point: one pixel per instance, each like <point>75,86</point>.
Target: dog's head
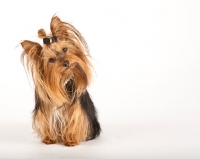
<point>60,68</point>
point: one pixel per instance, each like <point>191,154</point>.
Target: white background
<point>146,86</point>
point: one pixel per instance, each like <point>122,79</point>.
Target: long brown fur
<point>58,116</point>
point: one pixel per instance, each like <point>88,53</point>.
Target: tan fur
<point>70,126</point>
<point>56,120</point>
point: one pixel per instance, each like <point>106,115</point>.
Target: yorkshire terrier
<point>61,72</point>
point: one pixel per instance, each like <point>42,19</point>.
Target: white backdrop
<point>146,83</point>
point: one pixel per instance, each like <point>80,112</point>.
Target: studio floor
<point>175,140</point>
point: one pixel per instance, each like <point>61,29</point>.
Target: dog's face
<point>60,69</point>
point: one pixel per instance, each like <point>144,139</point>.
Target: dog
<point>61,71</point>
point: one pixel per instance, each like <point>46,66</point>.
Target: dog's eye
<point>64,50</point>
<point>52,60</point>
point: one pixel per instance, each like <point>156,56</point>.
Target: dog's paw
<point>70,144</point>
<point>48,141</point>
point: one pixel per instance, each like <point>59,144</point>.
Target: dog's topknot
<point>58,28</point>
<point>42,33</point>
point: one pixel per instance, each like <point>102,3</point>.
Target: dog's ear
<point>66,31</point>
<point>31,49</point>
<point>58,28</point>
<point>29,45</point>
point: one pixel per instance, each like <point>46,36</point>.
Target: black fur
<point>89,108</point>
<point>86,104</point>
<point>39,105</point>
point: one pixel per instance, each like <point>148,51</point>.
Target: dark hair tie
<point>50,40</point>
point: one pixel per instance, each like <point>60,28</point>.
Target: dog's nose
<point>66,63</point>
